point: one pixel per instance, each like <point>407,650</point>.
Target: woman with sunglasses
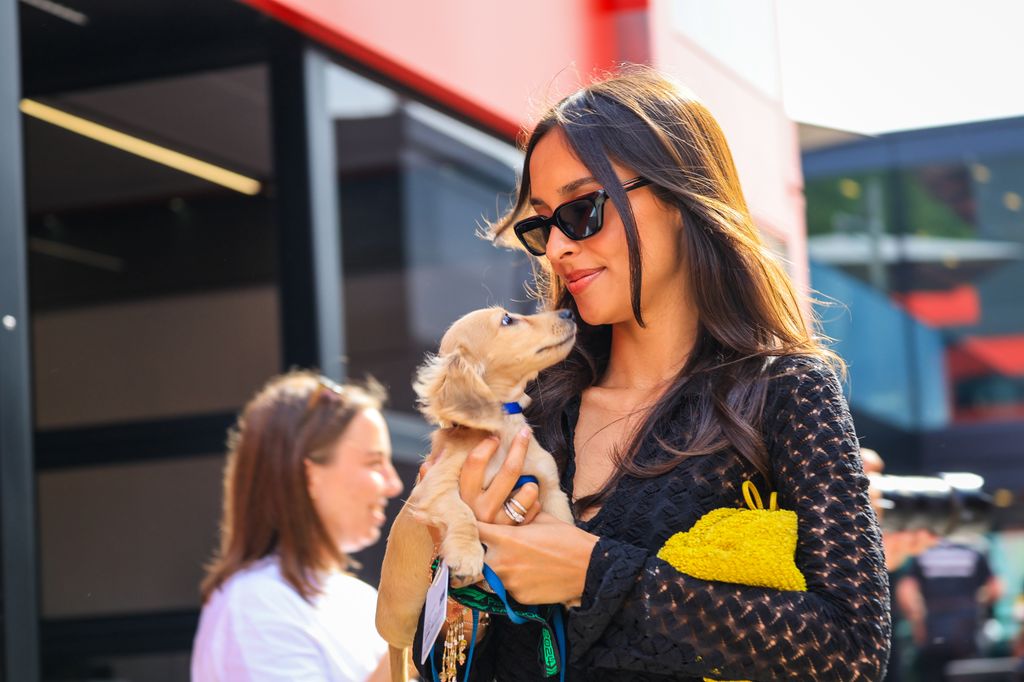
<point>307,479</point>
<point>694,371</point>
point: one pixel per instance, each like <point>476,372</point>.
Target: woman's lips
<point>576,282</point>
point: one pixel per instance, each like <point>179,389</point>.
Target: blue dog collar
<point>512,408</point>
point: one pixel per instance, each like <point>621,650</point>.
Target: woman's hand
<point>544,562</point>
<point>487,503</point>
<point>540,561</point>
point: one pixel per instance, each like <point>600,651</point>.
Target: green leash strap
<point>549,653</point>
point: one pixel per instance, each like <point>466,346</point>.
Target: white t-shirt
<point>256,627</point>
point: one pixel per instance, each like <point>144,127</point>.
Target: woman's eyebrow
<point>567,188</point>
<point>371,452</point>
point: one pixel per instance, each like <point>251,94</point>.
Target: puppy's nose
<point>565,314</point>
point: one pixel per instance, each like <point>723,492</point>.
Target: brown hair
<point>747,309</point>
<point>267,508</point>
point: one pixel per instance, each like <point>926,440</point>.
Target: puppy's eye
<point>507,320</point>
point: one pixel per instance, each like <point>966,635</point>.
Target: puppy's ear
<point>451,391</point>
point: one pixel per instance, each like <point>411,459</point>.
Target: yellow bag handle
<point>753,497</point>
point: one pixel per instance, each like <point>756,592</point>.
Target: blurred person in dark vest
<point>946,591</point>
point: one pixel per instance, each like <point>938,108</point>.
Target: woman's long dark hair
<point>747,309</point>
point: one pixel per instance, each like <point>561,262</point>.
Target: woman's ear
<point>452,391</point>
<point>312,478</point>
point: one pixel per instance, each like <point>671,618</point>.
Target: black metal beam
<point>309,253</point>
<point>132,442</point>
<point>65,639</point>
<point>17,474</point>
<point>299,345</point>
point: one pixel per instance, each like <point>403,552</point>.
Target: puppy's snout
<point>566,322</point>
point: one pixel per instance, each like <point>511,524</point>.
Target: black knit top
<point>640,619</point>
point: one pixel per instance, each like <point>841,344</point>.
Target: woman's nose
<point>394,482</point>
<point>559,246</point>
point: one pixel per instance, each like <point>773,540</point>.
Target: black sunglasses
<point>577,219</point>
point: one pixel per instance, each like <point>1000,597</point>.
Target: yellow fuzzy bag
<point>754,546</point>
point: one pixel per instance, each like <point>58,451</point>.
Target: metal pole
<point>17,476</point>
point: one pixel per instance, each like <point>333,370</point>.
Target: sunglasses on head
<point>325,388</point>
<point>577,219</point>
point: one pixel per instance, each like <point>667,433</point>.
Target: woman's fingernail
<point>524,433</point>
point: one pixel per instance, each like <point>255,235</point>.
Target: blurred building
<point>918,236</point>
<point>198,194</point>
<point>916,248</point>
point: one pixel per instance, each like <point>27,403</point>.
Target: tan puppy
<point>486,359</point>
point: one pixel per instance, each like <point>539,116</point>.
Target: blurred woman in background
<point>308,477</point>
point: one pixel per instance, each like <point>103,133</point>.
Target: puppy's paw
<point>465,567</point>
<point>457,582</point>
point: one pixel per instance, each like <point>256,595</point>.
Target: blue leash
<point>559,623</point>
<point>499,590</point>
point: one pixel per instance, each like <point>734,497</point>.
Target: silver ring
<point>517,505</point>
<point>511,513</point>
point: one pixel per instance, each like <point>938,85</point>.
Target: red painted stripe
<point>355,49</point>
<point>956,307</point>
<point>623,5</point>
<point>978,356</point>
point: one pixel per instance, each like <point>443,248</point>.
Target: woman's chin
<point>351,546</point>
<point>597,316</point>
<point>589,314</point>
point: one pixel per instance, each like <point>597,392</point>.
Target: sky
<point>874,66</point>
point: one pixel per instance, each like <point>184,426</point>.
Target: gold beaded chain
<point>454,645</point>
<point>455,641</point>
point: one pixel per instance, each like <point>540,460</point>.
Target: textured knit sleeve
<point>639,613</point>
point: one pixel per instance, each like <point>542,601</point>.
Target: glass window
<point>849,226</point>
<point>928,257</point>
<point>151,235</point>
<point>856,250</point>
<point>154,297</point>
<point>151,247</point>
<point>967,271</point>
<point>416,186</point>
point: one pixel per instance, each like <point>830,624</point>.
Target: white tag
<point>435,610</point>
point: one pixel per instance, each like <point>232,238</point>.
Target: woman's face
<point>351,490</point>
<point>596,270</point>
